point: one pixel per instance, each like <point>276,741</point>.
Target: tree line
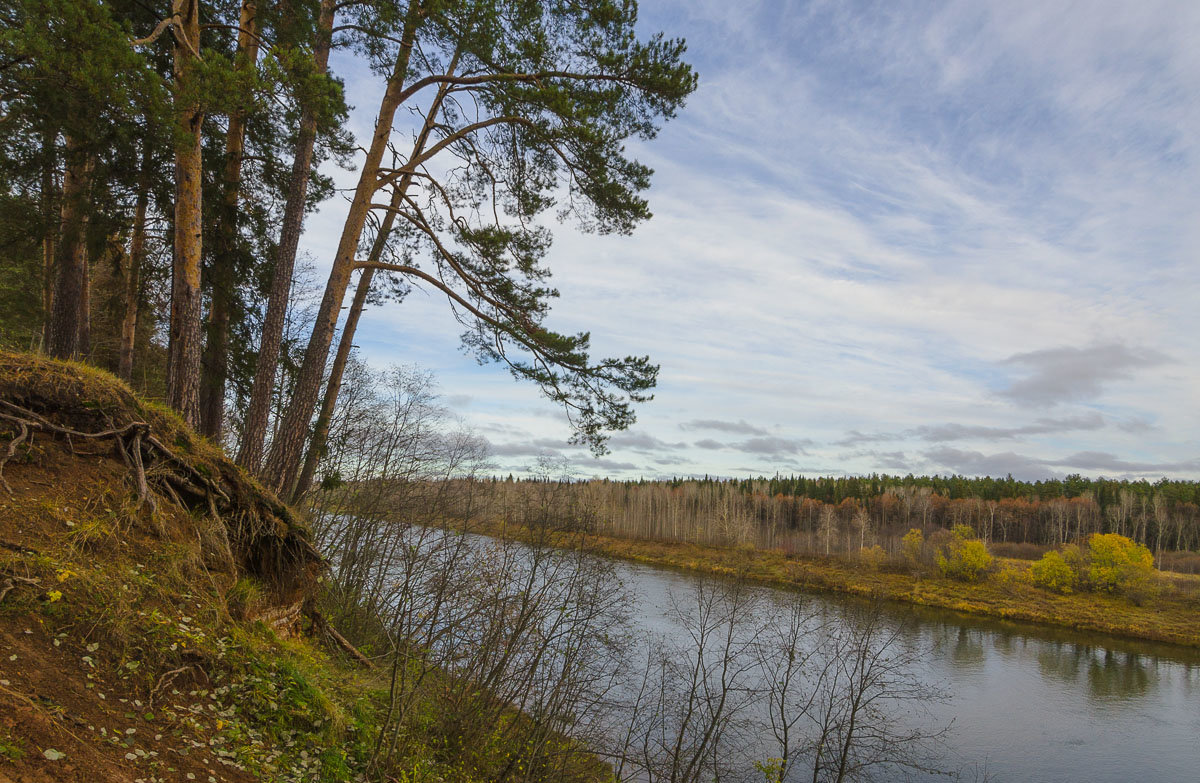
<point>160,159</point>
<point>748,512</point>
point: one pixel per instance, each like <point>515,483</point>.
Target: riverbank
<point>161,619</point>
<point>1173,617</point>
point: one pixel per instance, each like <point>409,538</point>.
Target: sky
<point>927,237</point>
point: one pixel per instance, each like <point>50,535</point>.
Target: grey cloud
<point>940,433</point>
<point>522,450</point>
<point>768,446</point>
<point>605,464</point>
<point>503,429</point>
<point>854,438</point>
<point>459,400</point>
<point>1136,424</point>
<point>538,447</point>
<point>975,463</point>
<point>1030,468</point>
<point>739,427</point>
<point>1102,460</point>
<point>895,460</point>
<point>1055,375</point>
<point>640,441</point>
<point>943,432</point>
<point>771,446</point>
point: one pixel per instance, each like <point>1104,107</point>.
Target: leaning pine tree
<point>532,104</point>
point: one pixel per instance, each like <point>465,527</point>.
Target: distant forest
<point>844,514</point>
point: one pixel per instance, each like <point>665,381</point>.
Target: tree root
<point>22,434</point>
<point>137,447</point>
<point>12,580</point>
<point>165,680</point>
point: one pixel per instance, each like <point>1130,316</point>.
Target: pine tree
<point>543,97</point>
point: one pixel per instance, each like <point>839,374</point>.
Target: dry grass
<point>1174,616</point>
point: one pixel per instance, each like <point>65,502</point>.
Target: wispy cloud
<point>935,229</point>
<point>739,427</point>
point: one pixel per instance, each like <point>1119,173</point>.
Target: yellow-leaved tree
<point>964,556</point>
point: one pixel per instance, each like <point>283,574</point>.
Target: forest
<point>843,514</point>
<point>160,161</point>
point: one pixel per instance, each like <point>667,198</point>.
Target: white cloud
<point>868,225</point>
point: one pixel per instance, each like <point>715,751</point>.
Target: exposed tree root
<point>22,434</point>
<point>169,469</point>
<point>12,580</point>
<point>137,447</point>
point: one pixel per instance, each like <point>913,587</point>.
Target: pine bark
<point>133,272</point>
<point>69,307</point>
<point>215,360</point>
<point>49,238</point>
<point>333,387</point>
<point>258,413</point>
<point>183,353</point>
<point>287,449</point>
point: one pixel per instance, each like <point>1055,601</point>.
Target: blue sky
<point>954,237</point>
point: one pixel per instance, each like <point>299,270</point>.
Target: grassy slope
<point>118,649</point>
<point>1174,617</point>
<point>125,652</point>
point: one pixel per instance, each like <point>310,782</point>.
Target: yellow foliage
<point>965,559</point>
<point>1116,563</point>
<point>872,556</point>
<point>911,546</point>
<point>1053,572</point>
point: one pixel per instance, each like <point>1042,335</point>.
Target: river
<point>1025,702</point>
<point>1020,702</point>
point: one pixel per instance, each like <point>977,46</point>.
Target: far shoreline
<point>1171,621</point>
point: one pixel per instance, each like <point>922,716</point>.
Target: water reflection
<point>1032,702</point>
<point>1027,702</point>
<point>1114,676</point>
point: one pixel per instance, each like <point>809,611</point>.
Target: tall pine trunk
<point>316,446</point>
<point>287,449</point>
<point>333,387</point>
<point>51,228</point>
<point>215,360</point>
<point>183,352</point>
<point>69,303</point>
<point>258,413</point>
<point>133,273</point>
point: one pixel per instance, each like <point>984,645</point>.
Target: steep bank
<point>158,617</point>
<point>149,591</point>
<point>1173,617</point>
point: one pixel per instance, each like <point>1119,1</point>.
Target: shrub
<point>1117,564</point>
<point>964,556</point>
<point>872,557</point>
<point>1011,579</point>
<point>1053,572</point>
<point>911,546</point>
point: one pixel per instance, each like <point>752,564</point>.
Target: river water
<point>1025,702</point>
<point>1022,702</point>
